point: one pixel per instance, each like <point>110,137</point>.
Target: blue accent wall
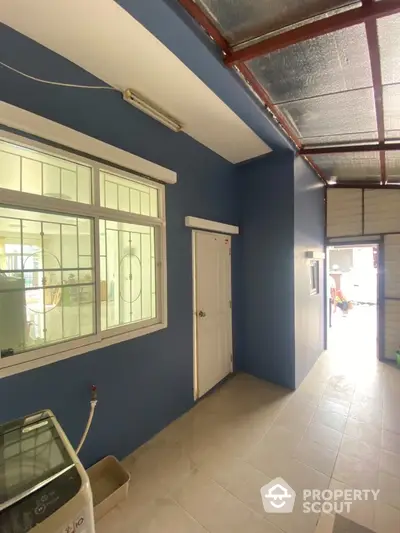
<point>145,383</point>
<point>266,226</point>
<point>309,234</point>
<point>282,217</point>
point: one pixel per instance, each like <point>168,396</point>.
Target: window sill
<point>17,368</point>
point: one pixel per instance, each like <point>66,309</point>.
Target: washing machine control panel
<point>35,508</point>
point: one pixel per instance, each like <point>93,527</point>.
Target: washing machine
<point>43,485</point>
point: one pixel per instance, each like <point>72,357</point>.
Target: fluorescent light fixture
<point>150,109</point>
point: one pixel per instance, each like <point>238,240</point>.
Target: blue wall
<point>266,226</point>
<point>145,383</point>
<point>309,234</point>
<point>282,217</point>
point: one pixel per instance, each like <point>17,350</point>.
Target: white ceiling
<point>102,38</point>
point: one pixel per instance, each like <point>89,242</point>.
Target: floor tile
<point>216,509</point>
<point>389,487</point>
<point>390,441</point>
<point>324,435</point>
<point>330,419</point>
<point>360,450</point>
<point>203,473</point>
<point>368,433</point>
<point>325,523</point>
<point>237,476</point>
<point>360,511</point>
<point>330,406</point>
<point>316,455</point>
<point>387,519</point>
<point>115,522</point>
<point>366,413</point>
<point>167,516</point>
<point>296,416</point>
<point>356,472</point>
<point>273,452</point>
<point>390,463</point>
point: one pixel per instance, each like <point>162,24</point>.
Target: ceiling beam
<point>266,100</point>
<point>351,148</point>
<point>363,185</point>
<point>371,27</point>
<point>366,12</point>
<point>202,19</point>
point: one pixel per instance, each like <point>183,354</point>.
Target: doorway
<point>212,310</point>
<point>353,290</point>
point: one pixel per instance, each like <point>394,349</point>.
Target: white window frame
<point>100,339</point>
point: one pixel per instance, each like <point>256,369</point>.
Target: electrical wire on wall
<point>59,83</point>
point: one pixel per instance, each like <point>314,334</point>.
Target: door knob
<point>202,314</point>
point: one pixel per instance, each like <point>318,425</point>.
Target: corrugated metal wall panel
<point>392,266</point>
<point>392,330</point>
<point>344,212</point>
<point>382,211</point>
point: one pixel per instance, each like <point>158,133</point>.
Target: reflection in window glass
<point>127,270</point>
<point>45,294</point>
<point>22,169</point>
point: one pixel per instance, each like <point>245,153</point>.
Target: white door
<point>212,309</point>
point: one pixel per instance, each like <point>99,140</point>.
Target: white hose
<point>93,404</point>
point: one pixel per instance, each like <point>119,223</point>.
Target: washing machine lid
<point>32,454</point>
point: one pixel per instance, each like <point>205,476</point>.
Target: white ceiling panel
<point>102,38</point>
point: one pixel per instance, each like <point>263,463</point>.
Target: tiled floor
<point>340,429</point>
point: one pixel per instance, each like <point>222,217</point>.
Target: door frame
<point>353,242</point>
<point>196,392</point>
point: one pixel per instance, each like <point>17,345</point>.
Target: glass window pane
<point>28,170</point>
<point>51,181</point>
<point>10,171</point>
<point>44,297</point>
<point>123,199</point>
<point>69,244</point>
<point>128,195</point>
<point>31,176</point>
<point>84,185</point>
<point>68,185</point>
<point>128,274</point>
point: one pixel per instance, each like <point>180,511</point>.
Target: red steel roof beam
<point>202,19</point>
<point>374,55</point>
<point>364,13</point>
<point>355,148</point>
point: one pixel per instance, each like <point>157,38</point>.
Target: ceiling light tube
<point>140,103</point>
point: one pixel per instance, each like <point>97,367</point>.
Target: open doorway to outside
<point>353,299</point>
